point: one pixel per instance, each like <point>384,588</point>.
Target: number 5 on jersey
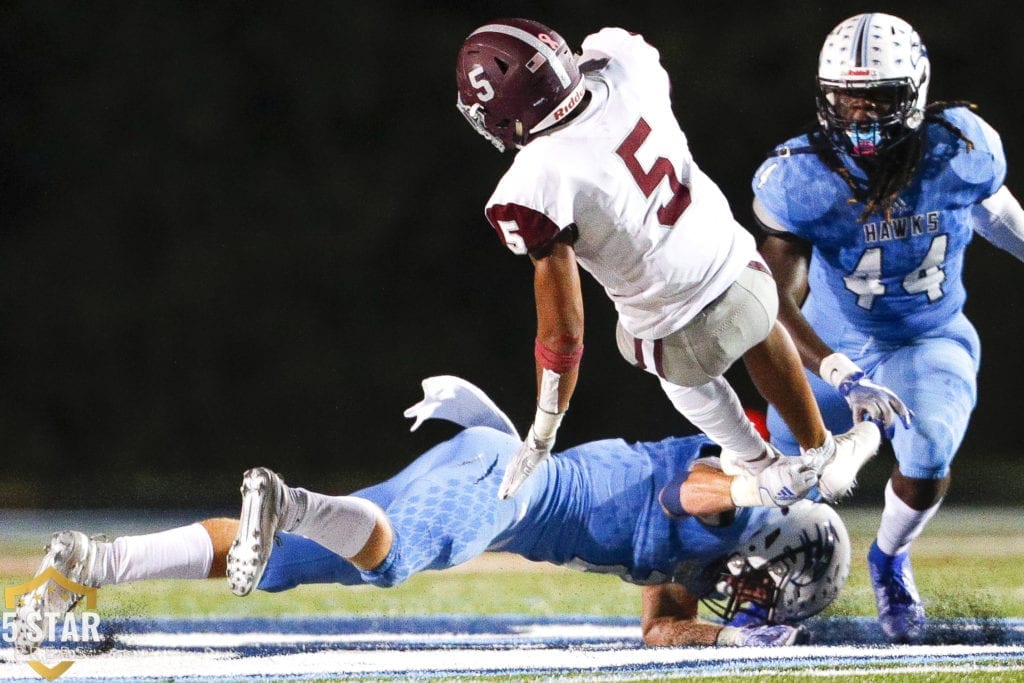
<point>648,181</point>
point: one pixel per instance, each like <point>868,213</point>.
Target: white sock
<point>715,409</point>
<point>901,524</point>
<point>342,524</point>
<point>182,553</point>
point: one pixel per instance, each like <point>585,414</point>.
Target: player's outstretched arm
<point>789,259</point>
<point>558,348</point>
<point>707,490</point>
<point>669,619</point>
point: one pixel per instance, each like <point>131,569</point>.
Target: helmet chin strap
<point>519,137</point>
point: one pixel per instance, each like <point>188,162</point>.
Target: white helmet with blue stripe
<point>791,568</point>
<point>881,59</point>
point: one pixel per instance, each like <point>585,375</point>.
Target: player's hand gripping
<point>867,400</point>
<point>531,453</point>
<point>783,483</point>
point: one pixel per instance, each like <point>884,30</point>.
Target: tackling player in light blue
<point>868,218</point>
<point>607,506</point>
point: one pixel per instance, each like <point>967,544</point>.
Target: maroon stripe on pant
<point>757,265</point>
<point>657,358</point>
<point>638,351</point>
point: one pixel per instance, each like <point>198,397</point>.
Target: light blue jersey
<point>889,293</point>
<point>891,279</point>
<point>593,507</point>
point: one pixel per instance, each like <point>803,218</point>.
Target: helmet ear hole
<point>502,65</point>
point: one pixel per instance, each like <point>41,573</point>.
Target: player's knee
<point>932,450</point>
<point>392,572</point>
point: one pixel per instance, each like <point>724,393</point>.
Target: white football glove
<point>531,453</point>
<point>867,400</point>
<point>783,483</point>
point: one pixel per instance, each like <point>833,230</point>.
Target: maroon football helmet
<point>516,77</point>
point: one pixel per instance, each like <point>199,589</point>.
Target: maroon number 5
<point>648,180</point>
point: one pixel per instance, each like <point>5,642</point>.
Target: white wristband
<point>545,424</point>
<point>729,635</point>
<point>835,368</point>
<point>745,491</point>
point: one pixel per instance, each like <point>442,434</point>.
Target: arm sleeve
<point>1000,220</point>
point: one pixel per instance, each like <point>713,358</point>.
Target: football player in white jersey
<point>604,179</point>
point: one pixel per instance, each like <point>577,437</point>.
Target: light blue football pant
<point>936,376</point>
<point>443,508</point>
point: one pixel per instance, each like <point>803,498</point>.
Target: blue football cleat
<point>900,611</point>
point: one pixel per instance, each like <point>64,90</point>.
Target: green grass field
<point>968,563</point>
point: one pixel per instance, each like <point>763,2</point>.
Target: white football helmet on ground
<point>790,569</point>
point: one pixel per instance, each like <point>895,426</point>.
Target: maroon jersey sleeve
<point>522,229</point>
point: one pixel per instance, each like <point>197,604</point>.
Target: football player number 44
<point>866,279</point>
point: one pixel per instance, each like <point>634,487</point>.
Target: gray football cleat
<point>262,493</point>
<point>70,553</point>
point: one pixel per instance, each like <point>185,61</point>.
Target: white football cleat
<point>734,464</point>
<point>838,475</point>
<point>262,493</point>
<point>72,554</point>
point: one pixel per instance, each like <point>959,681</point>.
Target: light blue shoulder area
<point>795,187</point>
<point>985,165</point>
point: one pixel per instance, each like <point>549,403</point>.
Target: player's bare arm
<point>559,300</point>
<point>557,350</point>
<point>788,259</point>
<point>669,618</point>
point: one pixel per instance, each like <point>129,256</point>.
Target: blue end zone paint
<point>408,648</point>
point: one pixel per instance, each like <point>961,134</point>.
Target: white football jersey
<point>652,229</point>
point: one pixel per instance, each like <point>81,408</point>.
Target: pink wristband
<point>556,362</point>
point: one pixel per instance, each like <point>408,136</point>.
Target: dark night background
<point>238,234</point>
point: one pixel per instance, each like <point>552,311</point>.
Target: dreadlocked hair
<point>892,169</point>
